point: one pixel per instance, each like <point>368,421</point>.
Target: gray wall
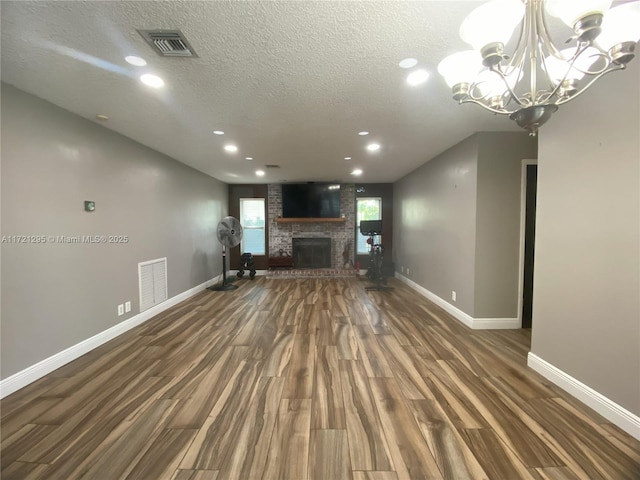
<point>586,304</point>
<point>434,224</point>
<point>500,156</point>
<point>57,295</point>
<point>457,223</point>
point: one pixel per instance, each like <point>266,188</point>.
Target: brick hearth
<point>312,273</point>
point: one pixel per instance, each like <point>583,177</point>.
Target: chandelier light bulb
<point>460,67</point>
<point>621,31</point>
<point>492,22</point>
<point>571,11</point>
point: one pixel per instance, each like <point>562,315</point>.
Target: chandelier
<point>537,76</point>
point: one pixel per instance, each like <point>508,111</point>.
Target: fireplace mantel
<point>310,220</point>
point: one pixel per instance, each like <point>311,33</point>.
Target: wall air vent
<point>168,43</point>
<point>152,281</point>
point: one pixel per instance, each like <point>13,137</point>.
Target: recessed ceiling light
<point>363,133</point>
<point>102,117</point>
<point>248,158</point>
<point>347,158</point>
<point>417,77</point>
<point>260,173</point>
<point>218,132</point>
<point>373,147</point>
<point>137,61</point>
<point>408,63</point>
<point>231,148</point>
<point>356,172</point>
<point>152,80</point>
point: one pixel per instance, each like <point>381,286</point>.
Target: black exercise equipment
<point>246,261</point>
<point>375,271</point>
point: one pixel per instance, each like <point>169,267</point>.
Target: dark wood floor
<point>307,379</point>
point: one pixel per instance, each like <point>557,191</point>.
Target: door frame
<point>523,215</point>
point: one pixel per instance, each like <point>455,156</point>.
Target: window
<point>368,209</point>
<point>253,226</point>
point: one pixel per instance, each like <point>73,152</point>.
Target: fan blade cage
<point>229,232</point>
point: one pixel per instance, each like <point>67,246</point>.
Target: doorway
<point>528,233</point>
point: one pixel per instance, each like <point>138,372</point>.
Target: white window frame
<point>358,234</point>
<point>263,228</point>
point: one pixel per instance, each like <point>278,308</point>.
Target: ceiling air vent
<point>271,166</point>
<point>168,43</point>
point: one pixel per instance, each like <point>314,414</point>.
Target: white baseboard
<point>496,324</point>
<point>468,320</point>
<point>30,374</point>
<point>610,410</point>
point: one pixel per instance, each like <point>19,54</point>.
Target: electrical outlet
<point>407,270</point>
<point>120,309</point>
<point>127,307</point>
<point>453,295</point>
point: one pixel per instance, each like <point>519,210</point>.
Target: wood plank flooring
<point>307,379</point>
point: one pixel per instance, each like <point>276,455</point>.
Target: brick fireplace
<point>340,235</point>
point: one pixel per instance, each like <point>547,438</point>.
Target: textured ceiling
<point>291,83</point>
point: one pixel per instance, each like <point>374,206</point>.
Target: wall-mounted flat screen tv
<point>310,200</point>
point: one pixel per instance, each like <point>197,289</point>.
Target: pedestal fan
<point>229,233</point>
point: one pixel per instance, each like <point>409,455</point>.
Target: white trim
<point>523,223</point>
<point>34,372</point>
<point>468,320</point>
<point>610,410</point>
<point>496,324</point>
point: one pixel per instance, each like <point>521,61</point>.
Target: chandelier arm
<point>543,97</point>
<point>546,45</point>
<point>600,53</point>
<point>555,89</point>
<point>486,107</point>
<point>519,52</point>
<point>571,65</point>
<point>510,99</point>
<point>550,84</point>
<point>512,94</point>
<point>531,17</point>
<point>470,95</point>
<point>545,38</point>
<point>591,82</point>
